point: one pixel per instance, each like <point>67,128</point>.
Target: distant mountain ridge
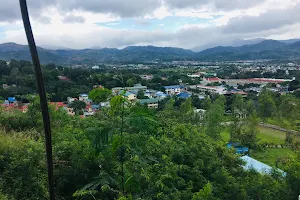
<point>266,49</point>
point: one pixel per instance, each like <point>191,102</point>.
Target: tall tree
<point>267,106</point>
<point>99,95</point>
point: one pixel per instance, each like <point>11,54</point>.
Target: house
<point>173,89</point>
<point>5,86</point>
<point>83,97</point>
<point>63,78</point>
<point>200,112</point>
<point>160,95</point>
<point>196,75</point>
<point>252,164</point>
<point>129,95</point>
<point>11,99</point>
<point>96,67</point>
<point>152,103</point>
<point>58,105</point>
<point>95,107</point>
<point>71,100</point>
<point>147,77</point>
<point>184,95</point>
<point>104,104</point>
<point>88,113</point>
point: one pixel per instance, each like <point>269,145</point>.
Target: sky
<point>190,24</point>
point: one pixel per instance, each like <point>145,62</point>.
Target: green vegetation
<point>165,155</point>
<point>269,135</point>
<point>271,155</point>
<point>127,151</point>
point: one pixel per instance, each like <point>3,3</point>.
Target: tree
<point>99,94</point>
<point>141,95</point>
<point>213,119</point>
<point>267,106</point>
<point>196,101</point>
<point>237,106</point>
<point>77,105</point>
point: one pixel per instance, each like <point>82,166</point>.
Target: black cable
<point>42,94</point>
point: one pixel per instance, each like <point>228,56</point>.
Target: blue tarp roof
<point>258,166</point>
<point>11,99</point>
<point>173,87</point>
<point>184,95</point>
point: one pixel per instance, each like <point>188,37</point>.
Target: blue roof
<point>83,95</point>
<point>173,87</point>
<point>11,99</point>
<point>161,94</point>
<point>258,166</point>
<point>184,95</point>
<point>95,106</point>
<point>238,149</point>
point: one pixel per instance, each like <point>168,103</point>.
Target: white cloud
<point>72,23</point>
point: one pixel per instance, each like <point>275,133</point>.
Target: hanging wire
<point>42,94</point>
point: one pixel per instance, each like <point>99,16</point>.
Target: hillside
<point>267,49</point>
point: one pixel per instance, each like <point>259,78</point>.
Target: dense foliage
<point>163,154</point>
<point>128,151</point>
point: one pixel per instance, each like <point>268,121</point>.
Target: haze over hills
<point>266,49</point>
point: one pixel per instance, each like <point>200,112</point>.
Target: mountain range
<point>263,49</point>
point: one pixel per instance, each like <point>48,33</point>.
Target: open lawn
<point>266,135</point>
<point>269,156</point>
<point>270,135</point>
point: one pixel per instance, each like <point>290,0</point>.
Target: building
<point>213,89</point>
<point>259,81</point>
<point>136,87</point>
<point>71,100</point>
<point>95,67</point>
<point>211,80</point>
<point>196,75</point>
<point>184,95</point>
<point>63,78</point>
<point>83,97</point>
<point>238,148</point>
<point>160,95</point>
<point>152,103</point>
<point>252,164</point>
<point>173,89</point>
<point>129,95</point>
<point>147,77</point>
<point>11,99</point>
<point>201,113</point>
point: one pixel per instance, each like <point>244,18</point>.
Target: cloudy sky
<point>193,24</point>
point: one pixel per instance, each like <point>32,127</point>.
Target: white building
<point>214,89</point>
<point>83,97</point>
<point>173,89</point>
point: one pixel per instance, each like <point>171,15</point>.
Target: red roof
<point>266,80</point>
<point>64,78</point>
<point>215,79</point>
<point>58,104</point>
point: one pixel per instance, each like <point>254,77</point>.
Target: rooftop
<point>147,101</point>
<point>258,166</point>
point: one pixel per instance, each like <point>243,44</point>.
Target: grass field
<point>270,135</point>
<point>266,135</point>
<point>269,156</point>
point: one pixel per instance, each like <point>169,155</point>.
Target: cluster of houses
<point>152,96</point>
